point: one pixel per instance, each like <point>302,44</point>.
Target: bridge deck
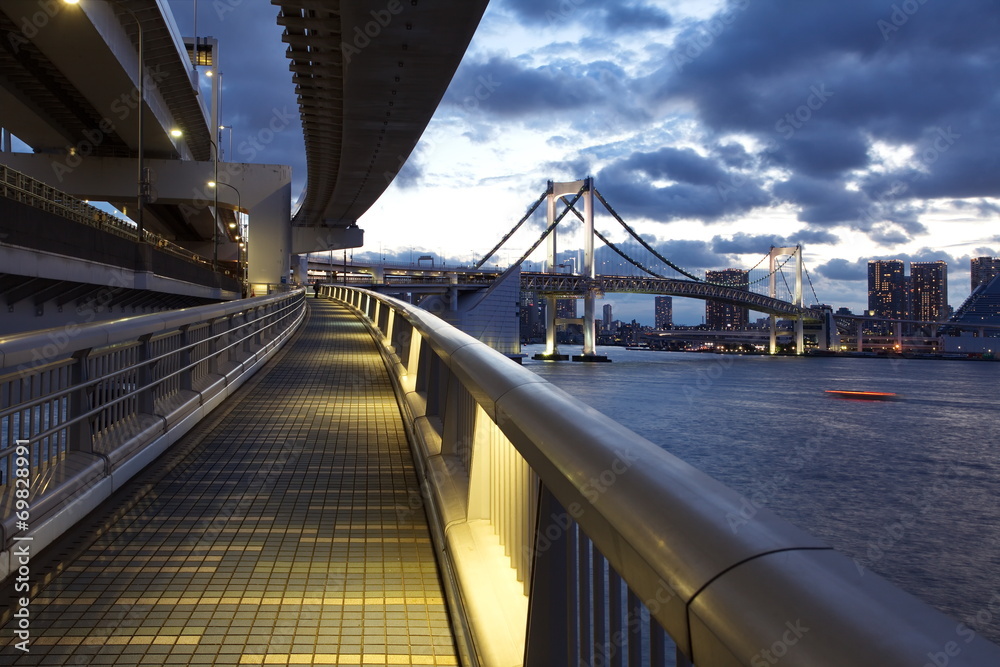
<point>281,531</point>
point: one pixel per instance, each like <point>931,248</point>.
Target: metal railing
<point>79,404</point>
<point>567,539</point>
<point>22,188</point>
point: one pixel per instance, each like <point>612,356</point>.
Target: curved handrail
<point>725,595</point>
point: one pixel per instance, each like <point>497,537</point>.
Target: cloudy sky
<point>860,129</point>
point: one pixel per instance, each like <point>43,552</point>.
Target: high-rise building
<point>664,314</point>
<point>886,288</point>
<point>608,319</point>
<point>723,316</point>
<point>532,316</point>
<point>983,270</point>
<point>928,291</point>
<point>566,308</point>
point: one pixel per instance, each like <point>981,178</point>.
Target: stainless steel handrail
<point>49,393</point>
<point>611,504</point>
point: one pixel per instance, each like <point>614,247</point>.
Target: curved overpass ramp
<point>369,75</point>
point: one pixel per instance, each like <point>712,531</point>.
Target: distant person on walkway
<point>316,288</point>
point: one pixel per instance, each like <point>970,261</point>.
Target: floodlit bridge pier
<point>388,490</point>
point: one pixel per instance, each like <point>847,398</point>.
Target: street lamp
<point>230,128</point>
<point>143,182</point>
<point>239,208</point>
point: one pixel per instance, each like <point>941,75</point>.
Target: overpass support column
<point>861,335</point>
<point>774,335</point>
<point>898,335</point>
<point>270,246</point>
<point>800,339</point>
<point>300,269</point>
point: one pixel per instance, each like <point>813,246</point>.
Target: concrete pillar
<point>774,332</point>
<point>860,329</point>
<point>300,269</point>
<point>551,261</point>
<point>589,338</point>
<point>550,325</point>
<point>270,239</point>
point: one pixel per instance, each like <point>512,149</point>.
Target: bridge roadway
<point>279,532</point>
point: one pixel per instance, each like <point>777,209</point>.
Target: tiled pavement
<point>281,532</point>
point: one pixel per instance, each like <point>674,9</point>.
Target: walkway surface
<point>286,529</point>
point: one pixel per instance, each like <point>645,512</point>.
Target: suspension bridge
<point>636,266</point>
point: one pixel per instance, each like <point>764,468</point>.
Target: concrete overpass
<point>369,76</point>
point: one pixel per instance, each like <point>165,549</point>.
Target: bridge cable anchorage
<point>551,227</point>
<point>614,247</point>
<point>531,210</point>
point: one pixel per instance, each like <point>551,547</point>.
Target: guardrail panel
<point>101,391</point>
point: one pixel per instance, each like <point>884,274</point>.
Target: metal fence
<point>22,188</point>
<point>567,539</point>
<point>79,404</point>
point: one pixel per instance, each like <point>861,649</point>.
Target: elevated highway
<point>369,75</point>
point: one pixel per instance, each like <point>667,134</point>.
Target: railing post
<point>184,379</point>
<point>81,439</point>
<point>548,640</point>
<point>144,376</point>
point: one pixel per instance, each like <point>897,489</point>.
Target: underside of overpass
<point>369,75</point>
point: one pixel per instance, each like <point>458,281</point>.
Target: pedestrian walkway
<point>281,531</point>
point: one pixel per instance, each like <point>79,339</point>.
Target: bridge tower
<point>796,253</point>
<point>589,271</point>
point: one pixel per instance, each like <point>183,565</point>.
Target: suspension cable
<point>507,236</point>
<point>815,296</point>
<point>781,273</point>
<point>642,242</point>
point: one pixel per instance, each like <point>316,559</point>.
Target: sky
<point>860,129</point>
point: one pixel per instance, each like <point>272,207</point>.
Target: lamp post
<point>143,184</point>
<point>239,208</point>
<point>230,128</point>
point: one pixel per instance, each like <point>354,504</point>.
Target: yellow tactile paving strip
<point>286,536</point>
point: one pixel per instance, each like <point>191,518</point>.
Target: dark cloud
<point>512,89</point>
<point>841,269</point>
<point>734,155</point>
<point>751,244</point>
<point>683,165</point>
<point>814,236</point>
<point>701,188</point>
<point>823,202</point>
<point>609,15</point>
<point>817,83</point>
<point>822,149</point>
